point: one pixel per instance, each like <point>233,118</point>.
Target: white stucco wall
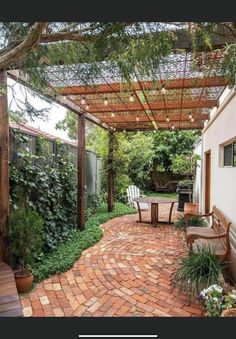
<point>197,181</point>
<point>220,129</point>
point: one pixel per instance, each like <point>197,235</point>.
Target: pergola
<point>180,97</point>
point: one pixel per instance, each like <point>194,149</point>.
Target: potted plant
<point>26,241</point>
<point>185,165</point>
<point>219,302</point>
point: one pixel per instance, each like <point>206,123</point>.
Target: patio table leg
<point>154,214</point>
<point>139,212</point>
<point>171,208</point>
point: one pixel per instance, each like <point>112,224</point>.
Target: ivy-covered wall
<point>46,182</point>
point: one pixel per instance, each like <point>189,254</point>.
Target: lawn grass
<point>161,195</point>
<point>63,258</point>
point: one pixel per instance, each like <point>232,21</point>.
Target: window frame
<point>233,161</point>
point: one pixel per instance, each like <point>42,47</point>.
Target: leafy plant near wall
<point>181,223</point>
<point>199,270</point>
<point>48,185</point>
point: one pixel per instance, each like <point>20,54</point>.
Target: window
<point>230,154</point>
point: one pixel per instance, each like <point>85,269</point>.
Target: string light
<point>131,98</point>
<point>163,89</point>
<point>167,118</point>
<point>87,107</point>
<point>201,75</point>
<point>190,116</point>
<point>83,101</point>
<point>192,120</point>
<point>137,118</point>
<point>173,126</point>
<point>124,130</point>
<point>106,101</point>
<point>113,114</point>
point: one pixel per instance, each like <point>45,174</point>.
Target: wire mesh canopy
<point>181,96</point>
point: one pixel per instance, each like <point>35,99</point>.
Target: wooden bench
<point>216,236</point>
<point>10,305</point>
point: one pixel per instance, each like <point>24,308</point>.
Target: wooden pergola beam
<point>110,172</point>
<point>158,105</point>
<point>4,169</point>
<point>81,173</point>
<point>145,85</point>
<point>61,100</point>
<point>198,117</point>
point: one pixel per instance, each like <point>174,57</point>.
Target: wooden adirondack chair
<point>134,192</point>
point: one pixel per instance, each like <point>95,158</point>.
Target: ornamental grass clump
<point>198,270</point>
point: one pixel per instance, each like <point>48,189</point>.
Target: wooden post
<point>81,173</point>
<point>4,170</point>
<point>110,172</point>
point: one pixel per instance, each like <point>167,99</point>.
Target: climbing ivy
<point>46,182</point>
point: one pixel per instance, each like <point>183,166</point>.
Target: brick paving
<point>128,273</point>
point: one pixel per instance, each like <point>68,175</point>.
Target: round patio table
<point>154,202</point>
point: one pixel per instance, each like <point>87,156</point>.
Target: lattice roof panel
<point>189,90</point>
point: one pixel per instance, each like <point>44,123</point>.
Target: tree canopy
<point>34,46</point>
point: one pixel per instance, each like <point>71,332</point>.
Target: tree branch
<point>25,46</point>
<point>78,35</point>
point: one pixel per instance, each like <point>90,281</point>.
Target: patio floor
<point>127,273</point>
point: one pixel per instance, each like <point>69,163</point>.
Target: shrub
<point>63,258</point>
<point>25,236</point>
<point>181,223</point>
<point>198,270</point>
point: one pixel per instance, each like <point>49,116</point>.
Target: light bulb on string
<point>83,101</point>
<point>173,126</point>
<point>124,130</point>
<point>192,120</point>
<point>131,98</point>
<point>106,101</point>
<point>137,118</point>
<point>163,90</point>
<point>167,118</point>
<point>87,107</point>
<point>190,116</point>
<point>112,114</point>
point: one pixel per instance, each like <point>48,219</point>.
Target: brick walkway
<point>127,273</point>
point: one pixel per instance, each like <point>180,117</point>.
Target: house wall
<point>198,180</point>
<point>220,130</point>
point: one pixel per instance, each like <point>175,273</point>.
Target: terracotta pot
<point>191,207</point>
<point>230,312</point>
<point>23,282</point>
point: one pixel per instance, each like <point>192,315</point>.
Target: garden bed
<point>63,258</point>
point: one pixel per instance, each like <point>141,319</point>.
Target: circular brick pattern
<point>127,273</point>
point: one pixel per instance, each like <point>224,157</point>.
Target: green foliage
<point>184,164</point>
<point>94,201</point>
<point>69,124</point>
<point>186,183</point>
<point>68,252</point>
<point>169,144</point>
<point>25,236</point>
<point>47,184</point>
<point>198,270</point>
<point>216,299</point>
<point>181,223</point>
